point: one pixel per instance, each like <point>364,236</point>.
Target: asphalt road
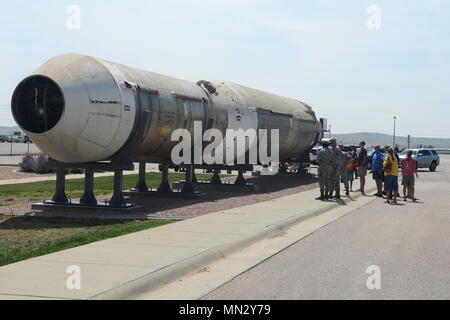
<point>409,243</point>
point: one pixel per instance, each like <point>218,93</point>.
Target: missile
<point>81,109</point>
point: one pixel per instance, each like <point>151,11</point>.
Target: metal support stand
<point>188,184</point>
<point>194,178</point>
<point>183,189</point>
<point>216,177</point>
<point>60,194</point>
<point>88,196</point>
<point>117,198</point>
<point>141,186</point>
<point>302,171</point>
<point>165,185</point>
<point>240,180</point>
<point>88,200</point>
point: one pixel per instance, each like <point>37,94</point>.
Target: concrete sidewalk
<point>124,267</point>
<point>52,177</point>
<point>68,177</point>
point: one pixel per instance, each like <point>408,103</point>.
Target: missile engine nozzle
<point>37,104</point>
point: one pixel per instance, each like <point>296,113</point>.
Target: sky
<point>357,63</point>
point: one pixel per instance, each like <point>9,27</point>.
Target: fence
<point>17,148</point>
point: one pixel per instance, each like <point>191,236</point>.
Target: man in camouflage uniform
<point>325,160</point>
<point>336,172</point>
<point>346,160</point>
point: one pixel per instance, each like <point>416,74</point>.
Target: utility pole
<point>393,140</point>
<point>409,141</point>
<point>329,131</point>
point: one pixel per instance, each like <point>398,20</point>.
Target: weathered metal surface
<point>104,103</point>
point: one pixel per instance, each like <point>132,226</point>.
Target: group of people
<point>333,163</point>
<point>386,166</point>
<point>336,165</point>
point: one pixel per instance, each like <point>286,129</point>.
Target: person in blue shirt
<point>377,170</point>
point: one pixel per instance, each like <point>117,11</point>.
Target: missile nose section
<point>74,109</point>
<point>80,109</point>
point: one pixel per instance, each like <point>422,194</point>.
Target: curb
<point>171,273</point>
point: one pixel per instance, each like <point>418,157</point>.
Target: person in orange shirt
<point>351,169</point>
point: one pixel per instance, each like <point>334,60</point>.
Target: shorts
<point>390,183</point>
<point>350,176</point>
<point>378,176</point>
<point>408,181</point>
<point>362,171</point>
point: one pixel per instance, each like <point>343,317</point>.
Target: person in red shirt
<point>409,169</point>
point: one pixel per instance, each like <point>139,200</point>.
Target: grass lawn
<point>9,165</point>
<point>27,237</point>
<point>37,191</point>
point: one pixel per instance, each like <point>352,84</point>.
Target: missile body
<point>80,109</point>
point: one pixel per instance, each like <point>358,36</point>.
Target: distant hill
<point>385,139</point>
<point>9,130</point>
<point>371,138</point>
